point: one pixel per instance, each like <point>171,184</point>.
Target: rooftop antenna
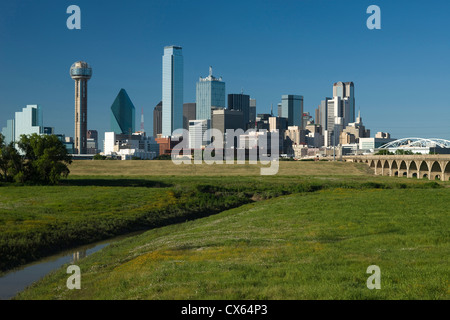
<point>271,110</point>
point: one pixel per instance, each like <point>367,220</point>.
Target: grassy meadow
<point>302,246</point>
<point>225,232</point>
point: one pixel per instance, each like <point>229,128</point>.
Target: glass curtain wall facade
<point>210,92</point>
<point>292,109</point>
<point>172,90</point>
<point>123,114</point>
<point>346,91</point>
<point>28,121</point>
<point>240,102</point>
<point>8,132</point>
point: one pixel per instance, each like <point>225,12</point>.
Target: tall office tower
<point>210,92</point>
<point>157,120</point>
<point>335,121</point>
<point>188,114</point>
<point>280,110</point>
<point>122,114</point>
<point>317,115</point>
<point>323,114</point>
<point>28,121</point>
<point>142,120</point>
<point>81,72</point>
<point>92,142</point>
<point>224,119</point>
<point>278,123</point>
<point>240,102</point>
<point>306,117</point>
<point>346,91</point>
<point>8,131</point>
<point>292,109</point>
<point>197,130</point>
<point>252,112</point>
<point>92,134</point>
<point>172,90</point>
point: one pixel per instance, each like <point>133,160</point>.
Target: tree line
<point>36,159</point>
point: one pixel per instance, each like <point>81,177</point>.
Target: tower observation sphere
<point>81,72</point>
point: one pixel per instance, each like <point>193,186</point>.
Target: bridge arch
<point>394,169</point>
<point>402,168</point>
<point>378,167</point>
<point>447,171</point>
<point>386,168</point>
<point>435,171</point>
<point>412,166</point>
<point>413,169</point>
<point>423,170</point>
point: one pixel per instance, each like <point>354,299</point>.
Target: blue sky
<point>267,48</point>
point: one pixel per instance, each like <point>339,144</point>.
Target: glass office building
<point>346,91</point>
<point>210,92</point>
<point>292,109</point>
<point>123,114</point>
<point>240,102</point>
<point>8,131</point>
<point>172,90</point>
<point>28,121</point>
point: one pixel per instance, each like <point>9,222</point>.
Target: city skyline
<point>385,65</point>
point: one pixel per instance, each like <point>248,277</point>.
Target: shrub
<point>44,160</point>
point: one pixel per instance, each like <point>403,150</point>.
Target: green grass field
<point>310,232</point>
<point>303,246</point>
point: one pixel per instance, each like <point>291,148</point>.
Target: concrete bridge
<point>411,166</point>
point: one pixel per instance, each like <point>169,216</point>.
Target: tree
<point>10,161</point>
<point>403,152</point>
<point>98,156</point>
<point>384,152</point>
<point>45,159</point>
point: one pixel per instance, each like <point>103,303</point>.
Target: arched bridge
<point>411,166</point>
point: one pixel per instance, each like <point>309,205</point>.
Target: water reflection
<point>78,255</point>
<point>17,280</point>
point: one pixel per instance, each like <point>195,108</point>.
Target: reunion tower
<point>81,72</point>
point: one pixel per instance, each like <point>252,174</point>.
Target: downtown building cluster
<point>334,129</point>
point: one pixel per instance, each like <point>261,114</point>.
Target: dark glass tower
<point>240,102</point>
<point>123,114</point>
<point>157,120</point>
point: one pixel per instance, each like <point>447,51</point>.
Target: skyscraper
<point>81,72</point>
<point>92,142</point>
<point>8,131</point>
<point>188,114</point>
<point>210,92</point>
<point>252,112</point>
<point>240,102</point>
<point>157,120</point>
<point>346,91</point>
<point>292,109</point>
<point>323,114</point>
<point>28,121</point>
<point>197,130</point>
<point>123,114</point>
<point>172,90</point>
